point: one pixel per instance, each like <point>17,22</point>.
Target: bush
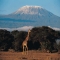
<point>6,40</point>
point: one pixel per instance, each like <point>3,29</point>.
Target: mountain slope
<point>30,16</point>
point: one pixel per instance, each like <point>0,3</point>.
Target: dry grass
<point>31,55</point>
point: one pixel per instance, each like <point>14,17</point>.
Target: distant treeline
<point>40,38</point>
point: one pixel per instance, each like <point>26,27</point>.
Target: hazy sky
<point>10,6</point>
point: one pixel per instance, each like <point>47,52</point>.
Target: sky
<point>10,6</point>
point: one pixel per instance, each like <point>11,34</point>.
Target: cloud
<point>24,28</point>
<point>54,28</point>
<point>57,29</point>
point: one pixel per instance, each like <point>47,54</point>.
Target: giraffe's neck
<point>27,37</point>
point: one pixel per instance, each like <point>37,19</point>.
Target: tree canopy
<point>40,38</point>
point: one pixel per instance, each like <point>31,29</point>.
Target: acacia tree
<point>19,37</point>
<point>6,39</point>
<point>58,45</point>
<point>45,35</point>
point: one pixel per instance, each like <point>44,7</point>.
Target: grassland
<point>30,55</point>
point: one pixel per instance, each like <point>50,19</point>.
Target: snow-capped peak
<point>28,10</point>
<point>27,6</point>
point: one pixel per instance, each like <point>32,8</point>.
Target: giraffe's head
<point>29,30</point>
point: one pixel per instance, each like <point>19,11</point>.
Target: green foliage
<point>44,35</point>
<point>40,38</point>
<point>6,39</point>
<point>58,46</point>
<point>19,36</point>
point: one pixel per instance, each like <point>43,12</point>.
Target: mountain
<point>30,16</point>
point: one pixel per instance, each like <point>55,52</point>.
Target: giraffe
<point>24,44</point>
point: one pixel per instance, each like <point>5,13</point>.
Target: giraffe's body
<point>24,44</point>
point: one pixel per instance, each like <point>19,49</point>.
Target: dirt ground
<point>30,55</point>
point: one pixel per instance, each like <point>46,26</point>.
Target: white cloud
<point>24,28</point>
<point>57,29</point>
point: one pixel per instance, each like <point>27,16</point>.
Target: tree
<point>45,35</point>
<point>6,40</point>
<point>19,36</point>
<point>58,46</point>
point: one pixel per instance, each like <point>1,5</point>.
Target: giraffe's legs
<point>26,49</point>
<point>23,49</point>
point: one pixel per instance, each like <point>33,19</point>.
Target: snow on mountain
<point>29,10</point>
<point>32,13</point>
